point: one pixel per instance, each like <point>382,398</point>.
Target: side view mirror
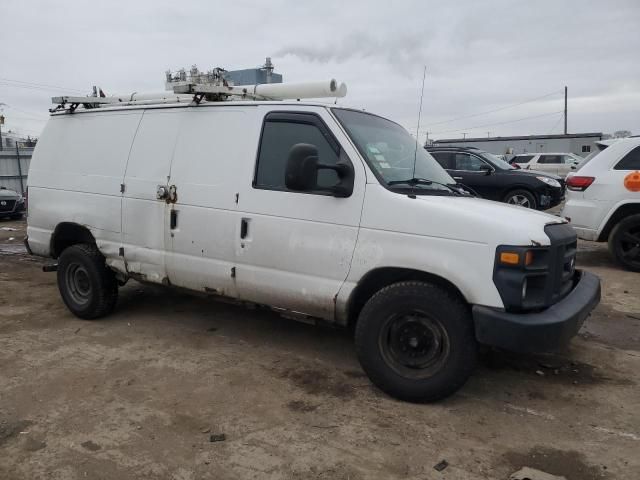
<point>486,169</point>
<point>301,173</point>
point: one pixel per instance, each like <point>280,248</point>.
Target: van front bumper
<point>541,331</point>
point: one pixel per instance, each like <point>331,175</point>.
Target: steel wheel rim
<point>78,283</point>
<point>414,344</point>
<point>519,200</point>
<point>630,245</point>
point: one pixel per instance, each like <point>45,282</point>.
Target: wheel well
<point>379,278</point>
<point>622,211</point>
<point>67,234</point>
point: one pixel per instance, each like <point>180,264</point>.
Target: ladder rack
<point>195,86</point>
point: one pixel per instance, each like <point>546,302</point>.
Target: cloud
<point>480,56</point>
<point>400,49</point>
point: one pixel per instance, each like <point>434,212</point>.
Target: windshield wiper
<point>412,182</point>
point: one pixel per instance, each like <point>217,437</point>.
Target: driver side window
<point>469,163</point>
<point>277,139</point>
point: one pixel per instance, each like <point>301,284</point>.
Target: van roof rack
<point>195,86</point>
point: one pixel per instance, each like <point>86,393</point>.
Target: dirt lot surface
<point>142,393</point>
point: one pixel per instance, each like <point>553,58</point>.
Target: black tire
<point>88,287</point>
<point>624,243</point>
<point>441,348</point>
<point>521,197</point>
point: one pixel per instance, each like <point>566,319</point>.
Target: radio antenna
<point>415,154</point>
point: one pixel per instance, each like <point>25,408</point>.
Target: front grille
<point>7,205</point>
<point>562,262</point>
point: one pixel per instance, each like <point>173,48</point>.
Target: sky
<point>494,67</point>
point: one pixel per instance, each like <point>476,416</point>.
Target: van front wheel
<point>87,286</point>
<point>416,341</point>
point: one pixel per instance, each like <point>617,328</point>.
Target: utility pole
<point>565,110</point>
<point>464,135</point>
<point>1,123</point>
<point>19,169</point>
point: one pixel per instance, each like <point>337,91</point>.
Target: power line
<point>23,113</point>
<point>556,124</point>
<point>35,86</point>
<point>494,110</point>
<point>498,123</point>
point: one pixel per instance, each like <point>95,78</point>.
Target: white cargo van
<point>313,210</point>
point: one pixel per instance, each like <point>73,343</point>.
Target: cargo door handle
<point>244,228</point>
<point>173,220</point>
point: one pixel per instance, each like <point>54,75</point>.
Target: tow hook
<point>50,268</point>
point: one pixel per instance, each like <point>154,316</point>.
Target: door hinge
<point>237,197</point>
<point>122,188</point>
<point>233,272</point>
<point>121,251</point>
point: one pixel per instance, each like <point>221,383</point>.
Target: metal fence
<point>14,168</point>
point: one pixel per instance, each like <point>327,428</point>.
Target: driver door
<point>294,249</point>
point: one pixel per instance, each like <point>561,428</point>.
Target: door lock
<point>167,193</point>
<point>162,192</point>
<point>173,194</point>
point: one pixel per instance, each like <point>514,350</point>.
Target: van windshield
<point>390,152</point>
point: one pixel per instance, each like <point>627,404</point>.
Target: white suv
<point>603,201</point>
<point>559,164</point>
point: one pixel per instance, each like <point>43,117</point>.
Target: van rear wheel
<point>87,286</point>
<point>624,243</point>
<point>416,341</point>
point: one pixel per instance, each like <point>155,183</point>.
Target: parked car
<point>495,179</point>
<point>11,204</point>
<point>603,201</point>
<point>338,218</point>
<point>600,146</point>
<point>553,163</point>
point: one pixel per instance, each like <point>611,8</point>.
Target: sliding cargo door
<point>214,146</point>
<point>144,212</point>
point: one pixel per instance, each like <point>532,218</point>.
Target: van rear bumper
<point>542,331</point>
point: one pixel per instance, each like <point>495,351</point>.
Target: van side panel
<point>215,146</point>
<point>144,216</point>
<point>75,176</point>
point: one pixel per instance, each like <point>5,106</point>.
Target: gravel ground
<point>142,393</point>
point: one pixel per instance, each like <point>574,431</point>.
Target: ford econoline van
<point>314,210</point>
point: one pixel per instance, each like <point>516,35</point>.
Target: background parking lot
<point>142,393</point>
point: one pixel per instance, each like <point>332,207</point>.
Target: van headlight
<point>549,181</point>
<point>520,275</point>
<point>20,199</point>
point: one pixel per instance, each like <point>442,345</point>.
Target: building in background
<point>578,143</point>
<point>14,167</point>
<point>254,76</point>
<point>8,140</point>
